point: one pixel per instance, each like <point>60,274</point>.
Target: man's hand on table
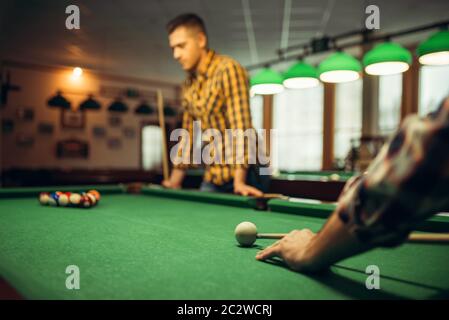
<point>175,180</point>
<point>292,249</point>
<point>246,190</point>
<point>169,185</point>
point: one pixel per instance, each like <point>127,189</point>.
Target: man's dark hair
<point>186,20</point>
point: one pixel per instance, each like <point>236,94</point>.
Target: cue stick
<point>428,237</point>
<point>160,107</point>
<point>270,235</point>
<point>414,237</point>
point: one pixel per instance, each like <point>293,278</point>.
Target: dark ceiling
<point>129,38</point>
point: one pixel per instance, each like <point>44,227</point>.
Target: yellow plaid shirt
<point>218,97</point>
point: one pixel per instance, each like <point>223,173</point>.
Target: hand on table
<point>246,190</point>
<point>169,185</point>
<point>292,249</point>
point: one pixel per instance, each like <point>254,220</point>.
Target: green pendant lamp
<point>301,75</point>
<point>387,58</point>
<point>266,81</point>
<point>435,50</point>
<point>339,67</point>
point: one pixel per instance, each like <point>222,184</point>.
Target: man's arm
<point>240,185</point>
<point>175,180</point>
<point>184,152</point>
<point>305,251</point>
<point>404,185</point>
<point>236,91</point>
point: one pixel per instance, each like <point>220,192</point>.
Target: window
<point>433,88</point>
<point>390,98</point>
<point>151,147</point>
<point>297,140</point>
<point>348,117</point>
<point>256,104</point>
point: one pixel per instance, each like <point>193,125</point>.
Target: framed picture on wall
<point>24,140</point>
<point>73,119</point>
<point>115,121</point>
<point>99,132</point>
<point>114,143</point>
<point>72,148</point>
<point>7,125</point>
<point>129,132</point>
<point>25,114</point>
<point>45,128</point>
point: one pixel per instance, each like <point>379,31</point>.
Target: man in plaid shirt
<point>216,95</point>
<point>406,183</point>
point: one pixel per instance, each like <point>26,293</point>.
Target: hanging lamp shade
<point>58,101</point>
<point>387,58</point>
<point>339,67</point>
<point>144,109</point>
<point>267,81</point>
<point>435,50</point>
<point>90,104</point>
<point>118,106</point>
<point>301,75</point>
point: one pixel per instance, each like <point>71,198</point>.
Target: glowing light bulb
<point>77,72</point>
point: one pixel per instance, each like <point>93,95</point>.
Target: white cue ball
<point>246,233</point>
<point>334,177</point>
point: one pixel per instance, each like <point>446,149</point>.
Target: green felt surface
<point>322,210</point>
<point>208,197</point>
<point>296,175</point>
<point>154,247</point>
<point>313,175</point>
<point>34,191</point>
<point>436,223</point>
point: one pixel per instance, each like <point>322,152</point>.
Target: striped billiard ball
<point>85,201</point>
<point>95,193</point>
<point>92,198</point>
<point>53,199</point>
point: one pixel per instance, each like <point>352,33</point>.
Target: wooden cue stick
<point>414,237</point>
<point>160,107</point>
<point>270,235</point>
<point>428,237</point>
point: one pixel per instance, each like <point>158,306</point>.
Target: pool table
<point>316,175</point>
<point>179,244</point>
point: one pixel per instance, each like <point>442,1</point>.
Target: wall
<point>38,84</point>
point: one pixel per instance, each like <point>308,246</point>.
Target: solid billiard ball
<point>95,193</point>
<point>246,233</point>
<point>43,198</point>
<point>63,199</point>
<point>75,199</point>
